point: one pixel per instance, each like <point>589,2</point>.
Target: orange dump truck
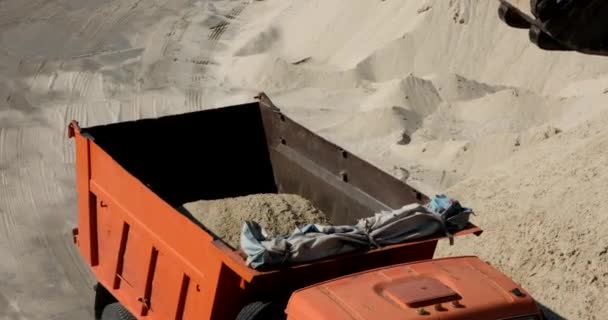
<point>153,262</point>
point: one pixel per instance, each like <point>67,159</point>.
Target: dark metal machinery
<point>561,25</point>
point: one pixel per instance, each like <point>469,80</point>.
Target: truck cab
<point>455,288</point>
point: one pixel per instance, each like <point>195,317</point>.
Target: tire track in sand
<point>59,242</point>
<point>195,94</point>
<point>38,207</point>
<point>7,214</point>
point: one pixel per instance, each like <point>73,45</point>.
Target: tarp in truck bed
<point>315,242</point>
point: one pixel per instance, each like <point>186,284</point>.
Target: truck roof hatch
<point>419,292</point>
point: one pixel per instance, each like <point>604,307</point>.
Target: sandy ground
<point>438,92</point>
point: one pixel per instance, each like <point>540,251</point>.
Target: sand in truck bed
<point>279,214</point>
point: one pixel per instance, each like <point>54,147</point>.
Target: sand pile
<point>279,214</point>
<point>545,220</point>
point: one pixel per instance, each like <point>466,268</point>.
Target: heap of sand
<point>278,214</point>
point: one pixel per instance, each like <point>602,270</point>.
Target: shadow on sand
<point>550,314</point>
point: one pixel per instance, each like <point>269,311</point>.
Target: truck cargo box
<point>131,177</point>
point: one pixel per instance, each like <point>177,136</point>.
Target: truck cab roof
<point>449,288</point>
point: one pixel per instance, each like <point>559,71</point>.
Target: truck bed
<point>242,150</point>
<point>131,177</point>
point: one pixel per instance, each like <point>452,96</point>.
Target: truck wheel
<point>102,298</point>
<point>115,311</point>
<point>259,310</point>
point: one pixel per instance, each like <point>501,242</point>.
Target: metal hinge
<point>75,235</point>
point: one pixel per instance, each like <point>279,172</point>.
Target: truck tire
<point>259,310</point>
<point>115,311</point>
<point>102,298</point>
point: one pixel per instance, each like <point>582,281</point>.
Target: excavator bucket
<point>560,25</point>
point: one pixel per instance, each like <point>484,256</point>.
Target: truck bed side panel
<point>86,203</point>
<point>138,236</point>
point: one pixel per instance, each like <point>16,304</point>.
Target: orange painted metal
<point>161,265</point>
<point>122,225</point>
<point>451,288</point>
